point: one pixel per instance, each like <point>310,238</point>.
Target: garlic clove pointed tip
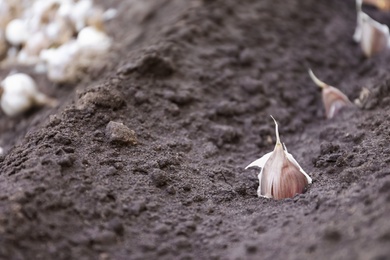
<point>316,80</point>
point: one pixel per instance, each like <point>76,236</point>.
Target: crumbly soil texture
<point>145,156</point>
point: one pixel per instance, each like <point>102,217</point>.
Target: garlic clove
<point>380,4</point>
<point>281,176</point>
<point>372,36</point>
<point>375,36</point>
<point>333,99</point>
<point>357,36</point>
<point>17,32</point>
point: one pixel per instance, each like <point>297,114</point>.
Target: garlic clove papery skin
<point>333,99</point>
<point>280,176</point>
<point>260,163</point>
<point>375,36</point>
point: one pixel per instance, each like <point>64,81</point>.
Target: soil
<point>193,84</point>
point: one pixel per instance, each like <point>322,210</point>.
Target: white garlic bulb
<point>80,12</point>
<point>59,31</point>
<point>17,32</point>
<point>20,93</point>
<point>59,61</point>
<point>93,39</point>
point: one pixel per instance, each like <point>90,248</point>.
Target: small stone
<point>111,171</point>
<point>137,208</point>
<point>171,190</point>
<point>104,237</point>
<point>332,234</point>
<point>252,86</point>
<point>141,97</point>
<point>66,160</point>
<point>246,57</point>
<point>154,64</point>
<point>159,178</point>
<point>385,187</point>
<point>116,226</point>
<point>119,133</point>
<point>224,134</point>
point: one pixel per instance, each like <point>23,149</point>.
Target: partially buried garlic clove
<point>374,36</point>
<point>334,100</point>
<point>280,176</point>
<point>383,5</point>
<point>20,93</point>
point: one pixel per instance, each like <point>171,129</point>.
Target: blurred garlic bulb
<point>280,176</point>
<point>20,93</point>
<point>334,100</point>
<point>17,32</point>
<point>59,61</point>
<point>96,19</point>
<point>59,31</point>
<point>37,43</point>
<point>65,8</point>
<point>80,12</point>
<point>91,38</point>
<point>30,53</point>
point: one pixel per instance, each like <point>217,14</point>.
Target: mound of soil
<point>145,157</point>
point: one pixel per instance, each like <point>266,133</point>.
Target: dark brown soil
<point>197,84</point>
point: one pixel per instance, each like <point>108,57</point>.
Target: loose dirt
<point>196,82</point>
